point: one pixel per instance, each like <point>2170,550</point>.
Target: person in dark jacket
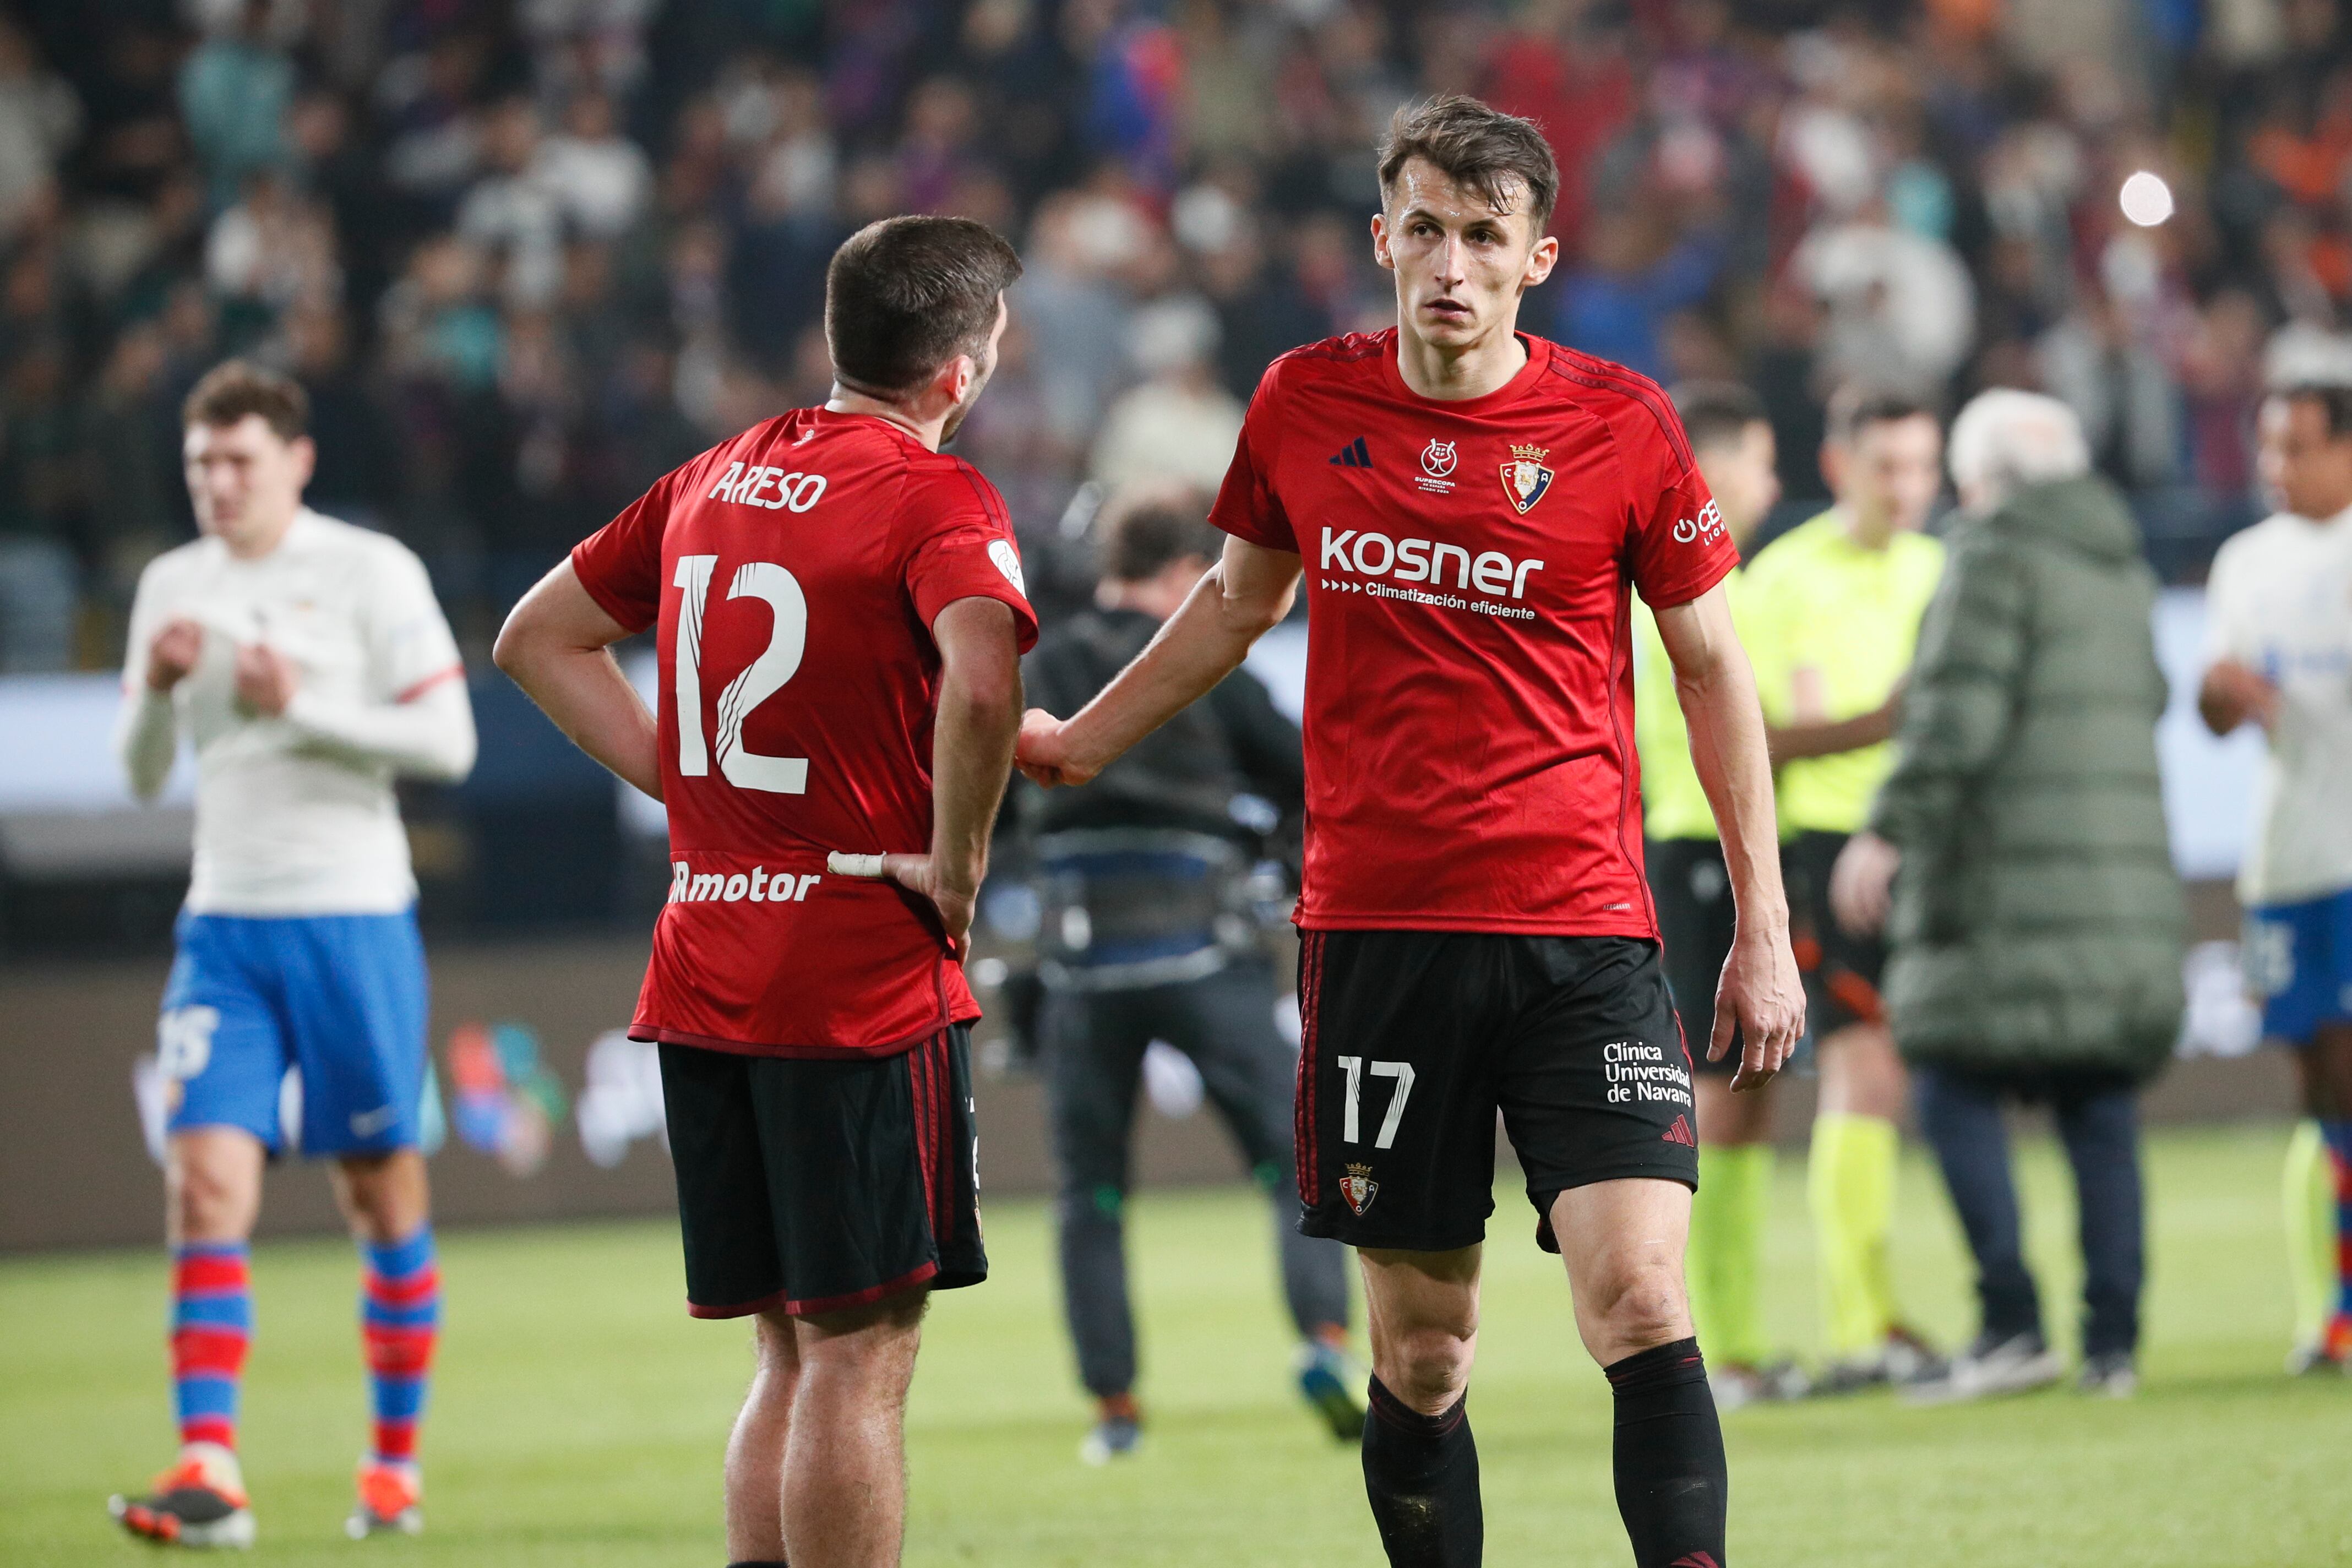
<point>2037,922</point>
<point>1146,933</point>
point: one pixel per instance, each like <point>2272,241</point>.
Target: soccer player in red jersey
<point>840,619</point>
<point>1470,507</point>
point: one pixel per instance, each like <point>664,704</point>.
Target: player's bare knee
<point>210,1195</point>
<point>1642,1308</point>
<point>1426,1366</point>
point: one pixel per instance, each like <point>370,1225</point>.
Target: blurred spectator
<point>2037,922</point>
<point>1178,424</point>
<point>38,489</point>
<point>2118,388</point>
<point>1615,305</point>
<point>1901,305</point>
<point>1068,297</point>
<point>358,472</point>
<point>234,90</point>
<point>130,459</point>
<point>600,178</point>
<point>39,118</point>
<point>515,212</point>
<point>1921,194</point>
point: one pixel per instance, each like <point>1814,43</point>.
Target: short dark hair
<point>904,296</point>
<point>2333,397</point>
<point>1717,413</point>
<point>1856,406</point>
<point>1140,534</point>
<point>1478,144</point>
<point>235,388</point>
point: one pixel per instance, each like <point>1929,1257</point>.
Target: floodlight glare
<point>2147,199</point>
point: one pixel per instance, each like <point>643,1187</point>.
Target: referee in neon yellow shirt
<point>1731,440</point>
<point>1830,613</point>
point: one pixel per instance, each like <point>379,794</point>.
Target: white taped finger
<point>842,865</point>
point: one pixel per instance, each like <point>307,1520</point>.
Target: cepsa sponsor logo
<point>687,886</point>
<point>1706,527</point>
<point>1428,560</point>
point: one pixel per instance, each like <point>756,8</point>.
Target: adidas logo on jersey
<point>687,886</point>
<point>1354,455</point>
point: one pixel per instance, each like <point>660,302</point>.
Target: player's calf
<point>1673,1484</point>
<point>1421,1461</point>
<point>845,1482</point>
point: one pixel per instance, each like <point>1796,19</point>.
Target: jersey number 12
<point>761,679</point>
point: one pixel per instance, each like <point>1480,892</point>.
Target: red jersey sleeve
<point>620,563</point>
<point>961,546</point>
<point>1247,507</point>
<point>1679,548</point>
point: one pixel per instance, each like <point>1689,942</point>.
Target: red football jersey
<point>1469,721</point>
<point>794,572</point>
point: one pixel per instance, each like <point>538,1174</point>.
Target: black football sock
<point>761,1563</point>
<point>1671,1481</point>
<point>1422,1475</point>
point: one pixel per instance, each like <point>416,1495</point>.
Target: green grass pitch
<point>578,1414</point>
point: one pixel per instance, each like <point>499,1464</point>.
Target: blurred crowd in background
<point>528,255</point>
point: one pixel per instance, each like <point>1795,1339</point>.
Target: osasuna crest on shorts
<point>1358,1188</point>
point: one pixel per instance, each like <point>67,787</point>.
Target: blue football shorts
<point>2298,960</point>
<point>338,999</point>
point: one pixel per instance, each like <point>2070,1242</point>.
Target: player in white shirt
<point>307,661</point>
<point>2279,606</point>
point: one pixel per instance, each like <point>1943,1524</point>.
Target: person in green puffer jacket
<point>2037,924</point>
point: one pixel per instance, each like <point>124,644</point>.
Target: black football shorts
<point>1842,971</point>
<point>814,1185</point>
<point>1412,1041</point>
<point>1696,924</point>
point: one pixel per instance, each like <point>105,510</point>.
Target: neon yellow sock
<point>1850,1181</point>
<point>1726,1252</point>
<point>2309,1193</point>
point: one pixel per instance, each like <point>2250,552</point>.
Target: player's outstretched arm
<point>1236,602</point>
<point>971,762</point>
<point>557,645</point>
<point>1761,991</point>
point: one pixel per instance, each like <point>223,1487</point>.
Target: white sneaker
<point>1991,1368</point>
<point>2109,1375</point>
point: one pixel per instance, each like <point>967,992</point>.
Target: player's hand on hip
<point>173,653</point>
<point>266,679</point>
<point>917,874</point>
<point>1042,751</point>
<point>1762,996</point>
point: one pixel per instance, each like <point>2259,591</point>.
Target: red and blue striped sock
<point>212,1324</point>
<point>400,1316</point>
<point>2336,1337</point>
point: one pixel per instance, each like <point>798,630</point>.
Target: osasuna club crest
<point>1358,1188</point>
<point>1525,478</point>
